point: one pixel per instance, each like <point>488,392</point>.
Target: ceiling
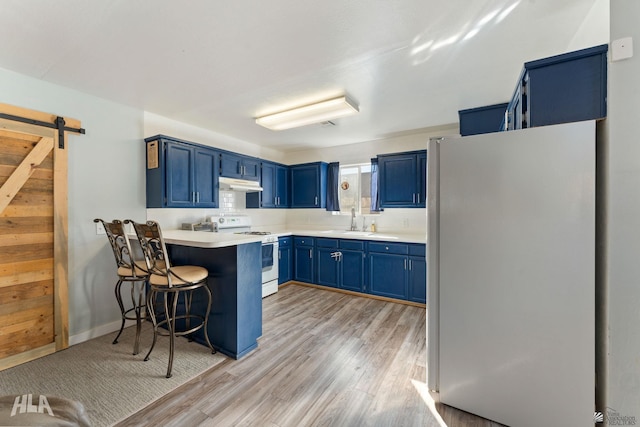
<point>409,64</point>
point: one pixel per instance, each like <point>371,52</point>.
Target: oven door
<point>269,268</point>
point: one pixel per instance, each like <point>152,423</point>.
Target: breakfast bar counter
<point>234,265</point>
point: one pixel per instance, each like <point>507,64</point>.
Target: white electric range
<point>241,224</point>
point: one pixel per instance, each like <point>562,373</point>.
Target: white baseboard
<point>98,332</point>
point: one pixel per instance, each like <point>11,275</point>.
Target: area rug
<point>107,379</point>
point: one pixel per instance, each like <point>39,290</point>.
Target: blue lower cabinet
<point>418,279</point>
<point>387,269</point>
<point>303,258</point>
<point>388,274</point>
<point>285,260</point>
<point>235,281</point>
<point>328,262</point>
<point>340,264</point>
<point>328,267</point>
<point>352,263</point>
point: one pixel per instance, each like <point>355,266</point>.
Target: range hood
<point>243,185</point>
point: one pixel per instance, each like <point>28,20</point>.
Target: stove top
<point>256,233</point>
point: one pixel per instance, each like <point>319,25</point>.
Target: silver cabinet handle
<point>197,197</point>
<point>193,197</point>
<point>310,253</point>
<point>316,201</point>
<point>405,263</point>
<point>279,254</point>
<point>414,197</point>
<point>278,204</point>
<point>410,265</point>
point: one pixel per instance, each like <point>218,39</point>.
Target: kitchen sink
<point>358,233</point>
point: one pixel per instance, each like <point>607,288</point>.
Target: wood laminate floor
<point>324,359</point>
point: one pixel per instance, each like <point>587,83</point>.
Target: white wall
<point>622,275</point>
<point>362,152</point>
<point>594,30</point>
<point>155,124</point>
<point>106,180</point>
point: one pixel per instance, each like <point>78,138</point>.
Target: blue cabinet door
<point>421,198</point>
<point>179,175</point>
<point>251,168</point>
<point>230,165</point>
<point>418,279</point>
<point>268,194</point>
<point>274,179</point>
<point>328,267</point>
<point>309,185</point>
<point>285,256</point>
<point>282,186</point>
<point>398,180</point>
<point>303,258</point>
<point>238,166</point>
<point>206,178</point>
<point>352,263</point>
<point>388,275</point>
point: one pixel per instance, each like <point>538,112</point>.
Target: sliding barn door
<point>33,241</point>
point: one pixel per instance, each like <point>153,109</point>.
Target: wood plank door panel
<point>26,243</point>
<point>33,239</point>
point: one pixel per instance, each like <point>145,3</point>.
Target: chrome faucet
<point>354,226</point>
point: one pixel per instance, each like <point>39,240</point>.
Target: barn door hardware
<point>58,124</point>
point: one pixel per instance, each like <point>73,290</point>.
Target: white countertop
<point>208,239</point>
<point>356,235</point>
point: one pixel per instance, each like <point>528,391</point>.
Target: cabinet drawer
<point>417,250</point>
<point>356,245</point>
<point>326,243</point>
<point>303,241</point>
<point>390,248</point>
<point>284,241</point>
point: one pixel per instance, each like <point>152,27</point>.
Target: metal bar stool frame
<point>130,271</point>
<point>171,281</point>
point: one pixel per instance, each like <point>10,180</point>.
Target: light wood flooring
<point>325,359</point>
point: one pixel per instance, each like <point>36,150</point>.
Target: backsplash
<point>412,220</point>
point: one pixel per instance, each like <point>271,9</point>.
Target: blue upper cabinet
<point>560,89</point>
<point>309,185</point>
<point>282,186</point>
<point>274,179</point>
<point>237,166</point>
<point>402,179</point>
<point>181,175</point>
<point>206,177</point>
<point>474,121</point>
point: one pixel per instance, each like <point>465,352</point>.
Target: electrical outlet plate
<point>100,228</point>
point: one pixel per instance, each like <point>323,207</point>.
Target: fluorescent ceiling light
<point>309,114</point>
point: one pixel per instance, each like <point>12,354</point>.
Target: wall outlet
<point>100,228</point>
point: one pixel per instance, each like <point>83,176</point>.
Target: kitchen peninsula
<point>233,261</point>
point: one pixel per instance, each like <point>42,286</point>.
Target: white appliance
<point>241,224</point>
<point>511,274</point>
<point>235,184</point>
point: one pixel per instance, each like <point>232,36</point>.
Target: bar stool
<point>172,282</point>
<point>130,271</point>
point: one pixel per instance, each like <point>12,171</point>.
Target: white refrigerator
<point>511,274</point>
